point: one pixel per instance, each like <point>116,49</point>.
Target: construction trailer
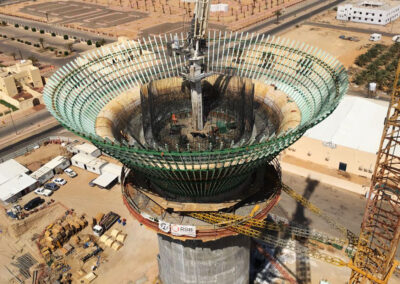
<point>84,148</point>
<point>88,162</point>
<point>48,170</point>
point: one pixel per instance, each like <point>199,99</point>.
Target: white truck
<point>105,223</point>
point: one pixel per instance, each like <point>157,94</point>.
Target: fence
<point>32,146</point>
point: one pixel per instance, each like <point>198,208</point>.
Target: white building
<point>378,12</point>
<point>347,140</point>
<point>47,171</point>
<point>84,148</point>
<point>88,162</point>
<point>14,181</point>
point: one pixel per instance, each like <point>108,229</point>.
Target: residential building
<point>378,12</point>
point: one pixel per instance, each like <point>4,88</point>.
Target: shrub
<point>65,37</point>
<point>34,30</point>
<point>66,53</point>
<point>53,34</point>
<point>89,42</point>
<point>5,36</point>
<point>12,107</point>
<point>51,49</point>
<point>98,44</point>
<point>42,31</point>
<point>60,52</point>
<point>16,25</point>
<point>26,28</point>
<point>4,23</point>
<point>13,38</point>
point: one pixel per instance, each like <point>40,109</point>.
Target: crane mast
<point>196,47</point>
<point>380,229</point>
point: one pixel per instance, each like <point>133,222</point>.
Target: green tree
<point>41,41</point>
<point>33,59</point>
<point>278,13</point>
<point>69,46</point>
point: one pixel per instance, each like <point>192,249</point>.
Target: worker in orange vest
<point>174,120</point>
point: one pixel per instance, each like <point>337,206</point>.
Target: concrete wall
<point>224,261</point>
<point>358,162</point>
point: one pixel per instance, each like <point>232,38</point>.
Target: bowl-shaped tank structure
<point>262,94</point>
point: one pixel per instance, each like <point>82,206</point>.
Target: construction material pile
<point>59,232</point>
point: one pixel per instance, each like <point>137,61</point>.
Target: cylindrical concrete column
<point>224,261</point>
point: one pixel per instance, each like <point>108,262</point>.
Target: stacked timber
<point>60,232</point>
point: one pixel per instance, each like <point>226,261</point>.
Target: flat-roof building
<point>84,148</point>
<point>347,140</point>
<point>14,181</point>
<point>370,12</point>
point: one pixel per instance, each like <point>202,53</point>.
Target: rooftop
<point>11,168</point>
<point>13,186</point>
<point>378,5</point>
<point>86,148</point>
<point>357,123</point>
<point>55,162</point>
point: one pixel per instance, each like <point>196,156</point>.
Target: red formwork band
<point>200,234</point>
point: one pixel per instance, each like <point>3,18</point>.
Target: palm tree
<point>277,13</point>
<point>41,41</point>
<point>33,59</point>
<point>69,46</point>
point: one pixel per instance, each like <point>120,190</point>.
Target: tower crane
<point>380,229</point>
<point>194,49</point>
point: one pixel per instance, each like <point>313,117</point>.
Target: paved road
<point>349,29</point>
<point>24,122</point>
<point>298,19</point>
<point>54,131</point>
<point>58,29</point>
<point>7,46</point>
<point>294,12</point>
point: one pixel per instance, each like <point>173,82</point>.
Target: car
<point>43,191</point>
<point>59,181</point>
<point>91,183</point>
<point>51,186</point>
<point>69,172</point>
<point>33,203</point>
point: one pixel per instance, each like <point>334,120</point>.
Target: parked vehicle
<point>375,37</point>
<point>69,172</point>
<point>59,181</point>
<point>33,203</point>
<point>43,191</point>
<point>51,186</point>
<point>105,223</point>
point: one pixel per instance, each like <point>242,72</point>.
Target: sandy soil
<point>325,170</point>
<point>329,17</point>
<point>240,13</point>
<point>137,258</point>
<point>11,246</point>
<point>328,40</point>
<point>35,159</point>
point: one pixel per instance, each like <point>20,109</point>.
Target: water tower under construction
<point>197,120</point>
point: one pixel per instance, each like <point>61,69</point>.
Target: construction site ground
<point>136,261</point>
<point>130,18</point>
<point>328,40</point>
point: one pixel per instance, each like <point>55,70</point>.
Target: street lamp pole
<point>12,120</point>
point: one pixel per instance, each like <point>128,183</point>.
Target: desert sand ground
<point>137,258</point>
<point>328,40</point>
<point>329,17</point>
